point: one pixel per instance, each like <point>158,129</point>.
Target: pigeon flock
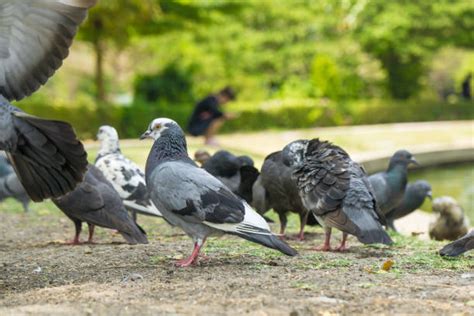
<point>225,194</point>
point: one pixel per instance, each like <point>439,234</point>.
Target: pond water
<point>456,181</point>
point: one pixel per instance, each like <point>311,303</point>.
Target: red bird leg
<point>91,233</point>
<point>327,240</point>
<point>342,246</point>
<point>75,241</point>
<point>193,258</point>
<point>303,220</point>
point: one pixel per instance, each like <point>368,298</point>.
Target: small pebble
<point>133,277</point>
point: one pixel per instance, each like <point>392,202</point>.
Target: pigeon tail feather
<point>270,241</point>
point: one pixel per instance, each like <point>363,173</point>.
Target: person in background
<point>208,116</point>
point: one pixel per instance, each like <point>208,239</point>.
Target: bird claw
<point>341,248</point>
<point>323,248</point>
<point>183,263</point>
<point>73,242</point>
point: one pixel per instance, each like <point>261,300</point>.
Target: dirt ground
<point>40,275</point>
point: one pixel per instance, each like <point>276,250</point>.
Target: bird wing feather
<point>196,195</point>
<point>35,36</point>
<point>48,158</point>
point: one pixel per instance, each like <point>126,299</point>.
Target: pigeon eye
<point>157,126</point>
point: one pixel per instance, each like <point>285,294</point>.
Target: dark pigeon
<point>225,166</point>
<point>279,192</point>
<point>336,190</point>
<point>95,202</point>
<point>413,198</point>
<point>459,246</point>
<point>194,200</point>
<point>125,175</point>
<point>389,186</point>
<point>35,37</point>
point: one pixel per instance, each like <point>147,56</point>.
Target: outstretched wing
<point>49,160</point>
<point>35,36</point>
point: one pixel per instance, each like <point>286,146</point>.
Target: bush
<point>275,114</point>
<point>84,115</point>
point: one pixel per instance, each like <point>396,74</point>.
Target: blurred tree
<point>402,34</point>
<point>116,22</point>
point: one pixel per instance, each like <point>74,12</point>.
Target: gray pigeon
<point>5,167</point>
<point>279,192</point>
<point>336,190</point>
<point>35,36</point>
<point>125,175</point>
<point>96,202</point>
<point>10,186</point>
<point>459,246</point>
<point>413,198</point>
<point>389,186</point>
<point>192,199</point>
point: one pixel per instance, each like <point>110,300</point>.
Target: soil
<point>41,275</point>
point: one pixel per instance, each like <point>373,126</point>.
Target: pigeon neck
<point>397,167</point>
<point>397,175</point>
<point>109,146</point>
<point>166,148</point>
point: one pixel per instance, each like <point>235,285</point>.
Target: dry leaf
<point>387,265</point>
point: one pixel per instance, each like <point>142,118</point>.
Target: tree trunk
<point>99,71</point>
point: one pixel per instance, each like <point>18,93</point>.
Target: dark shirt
<point>206,111</point>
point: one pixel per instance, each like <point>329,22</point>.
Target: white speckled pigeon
<point>35,36</point>
<point>96,202</point>
<point>124,174</point>
<point>192,199</point>
<point>459,246</point>
<point>413,198</point>
<point>389,186</point>
<point>336,190</point>
<point>281,192</point>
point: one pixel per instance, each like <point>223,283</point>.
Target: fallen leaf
<point>387,265</point>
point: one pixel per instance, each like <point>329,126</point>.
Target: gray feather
<point>35,36</point>
<point>96,202</point>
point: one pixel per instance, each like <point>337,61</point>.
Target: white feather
<point>151,210</point>
<point>113,171</point>
<point>253,223</point>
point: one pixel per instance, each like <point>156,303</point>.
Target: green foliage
<point>173,84</point>
<point>403,34</point>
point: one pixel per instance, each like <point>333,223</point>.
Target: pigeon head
<point>402,157</point>
<point>245,160</point>
<point>161,126</point>
<point>423,189</point>
<point>109,141</point>
<point>107,133</point>
<point>293,154</point>
<point>447,206</point>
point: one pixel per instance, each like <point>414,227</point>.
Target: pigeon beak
<point>430,195</point>
<point>145,135</point>
<point>414,161</point>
